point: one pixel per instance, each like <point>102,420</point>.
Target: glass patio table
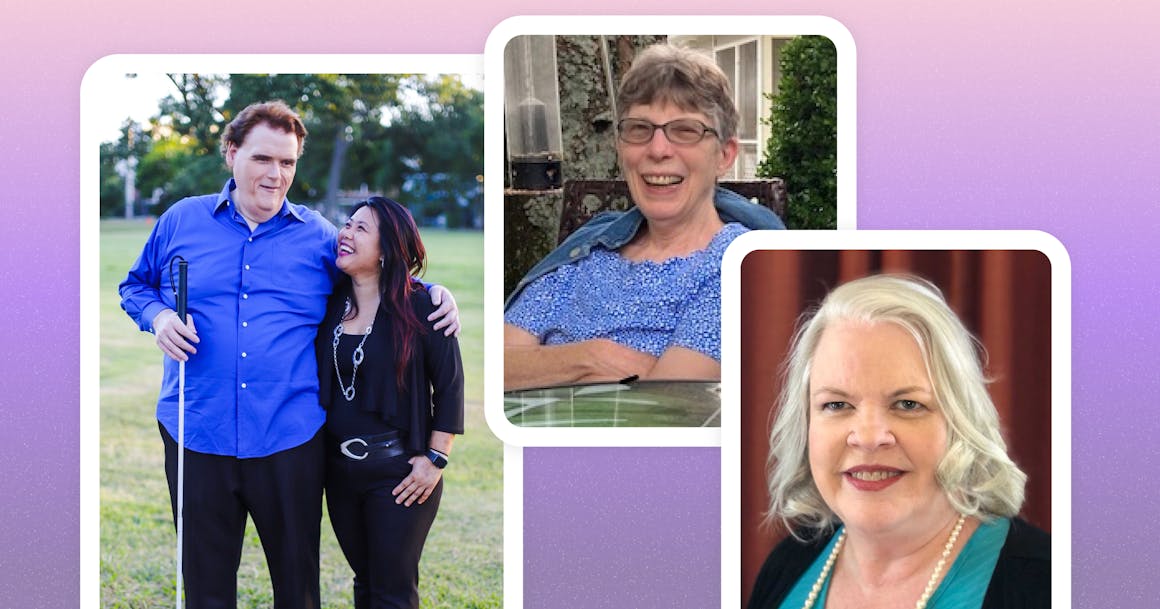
<point>635,404</point>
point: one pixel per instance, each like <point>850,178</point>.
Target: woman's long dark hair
<point>404,258</point>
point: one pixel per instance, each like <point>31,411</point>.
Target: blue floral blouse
<point>648,306</point>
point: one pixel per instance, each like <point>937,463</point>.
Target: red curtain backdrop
<point>1003,298</point>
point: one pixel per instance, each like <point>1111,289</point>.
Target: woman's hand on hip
<point>419,484</point>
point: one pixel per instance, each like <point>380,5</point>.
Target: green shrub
<point>802,147</point>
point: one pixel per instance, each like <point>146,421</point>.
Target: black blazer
<point>431,397</point>
<point>1021,580</point>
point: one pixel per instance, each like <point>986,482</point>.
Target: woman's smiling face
<point>669,181</point>
<point>358,243</point>
<point>876,433</point>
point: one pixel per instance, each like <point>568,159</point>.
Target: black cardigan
<point>1021,580</point>
<point>432,398</point>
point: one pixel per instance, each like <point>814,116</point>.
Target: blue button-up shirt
<point>256,298</point>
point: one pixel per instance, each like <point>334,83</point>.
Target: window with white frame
<point>740,59</point>
<point>752,65</point>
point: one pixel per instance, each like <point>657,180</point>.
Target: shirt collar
<point>622,229</point>
<point>224,201</point>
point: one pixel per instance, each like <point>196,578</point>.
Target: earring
<point>381,263</point>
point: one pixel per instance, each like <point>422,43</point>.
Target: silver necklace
<point>926,593</point>
<point>356,359</point>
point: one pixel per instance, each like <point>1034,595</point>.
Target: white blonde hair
<point>978,477</point>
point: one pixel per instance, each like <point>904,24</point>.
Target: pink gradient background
<point>1021,114</point>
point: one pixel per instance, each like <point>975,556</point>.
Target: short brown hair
<point>274,113</point>
<point>685,78</point>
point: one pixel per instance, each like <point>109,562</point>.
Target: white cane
<point>182,298</point>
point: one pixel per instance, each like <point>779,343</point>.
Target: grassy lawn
<point>463,557</point>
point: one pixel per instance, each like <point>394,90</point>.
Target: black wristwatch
<point>437,458</point>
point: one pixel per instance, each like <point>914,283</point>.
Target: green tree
<point>182,155</point>
<point>802,147</point>
<point>133,143</point>
<point>434,147</point>
<point>112,187</point>
<point>177,166</point>
<point>193,111</point>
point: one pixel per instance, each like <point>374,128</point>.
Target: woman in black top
<point>394,396</point>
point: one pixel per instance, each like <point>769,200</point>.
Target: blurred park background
<point>416,139</point>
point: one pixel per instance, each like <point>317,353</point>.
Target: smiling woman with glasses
<point>638,293</point>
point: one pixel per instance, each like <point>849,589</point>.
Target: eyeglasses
<point>683,131</point>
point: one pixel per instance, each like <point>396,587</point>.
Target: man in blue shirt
<point>261,269</point>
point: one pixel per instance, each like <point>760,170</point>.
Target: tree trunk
<point>334,176</point>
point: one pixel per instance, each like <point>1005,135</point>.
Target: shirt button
<point>243,385</point>
<point>245,324</point>
<point>245,296</point>
<point>575,252</point>
<point>243,353</point>
<point>251,239</point>
<point>247,267</point>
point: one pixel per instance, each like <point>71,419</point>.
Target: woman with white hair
<point>888,468</point>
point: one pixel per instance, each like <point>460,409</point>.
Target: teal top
<point>963,587</point>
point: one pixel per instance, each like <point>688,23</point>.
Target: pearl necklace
<point>356,359</point>
<point>926,593</point>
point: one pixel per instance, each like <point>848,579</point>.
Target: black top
<point>432,394</point>
<point>1021,580</point>
<point>358,416</point>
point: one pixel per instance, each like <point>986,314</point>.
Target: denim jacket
<point>614,229</point>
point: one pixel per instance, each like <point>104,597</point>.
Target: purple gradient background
<point>1001,115</point>
<point>609,528</point>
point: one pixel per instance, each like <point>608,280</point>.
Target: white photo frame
<point>494,196</point>
<point>731,446</point>
<point>101,93</point>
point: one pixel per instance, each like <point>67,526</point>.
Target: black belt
<point>380,446</point>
